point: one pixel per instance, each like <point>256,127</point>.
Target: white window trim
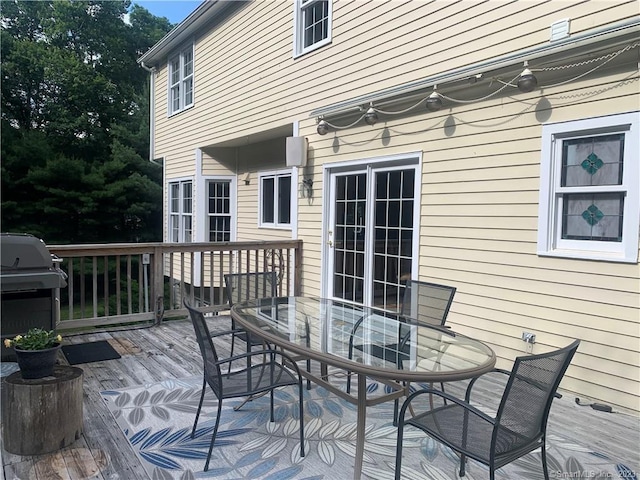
<point>180,55</point>
<point>180,181</point>
<point>276,174</point>
<point>549,222</point>
<point>298,25</point>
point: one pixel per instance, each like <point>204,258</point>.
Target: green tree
<point>75,129</point>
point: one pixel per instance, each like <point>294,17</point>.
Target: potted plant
<point>36,352</point>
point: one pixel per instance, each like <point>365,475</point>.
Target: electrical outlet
<point>529,337</point>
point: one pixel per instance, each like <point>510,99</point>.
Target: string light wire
<point>607,58</point>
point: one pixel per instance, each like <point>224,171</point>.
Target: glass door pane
<point>393,236</point>
<point>349,236</point>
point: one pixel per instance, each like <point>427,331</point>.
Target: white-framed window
<point>181,211</point>
<point>312,23</point>
<point>275,199</point>
<point>219,210</point>
<point>589,184</point>
<point>181,71</point>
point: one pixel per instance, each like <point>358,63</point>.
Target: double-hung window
<point>181,80</point>
<point>589,200</point>
<point>181,211</point>
<point>219,210</point>
<point>312,25</point>
<point>275,200</point>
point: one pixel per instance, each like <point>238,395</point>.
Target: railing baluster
<point>129,283</point>
<point>118,292</point>
<point>82,288</point>
<point>140,285</point>
<point>94,286</point>
<point>106,285</point>
<point>172,287</point>
<point>70,288</point>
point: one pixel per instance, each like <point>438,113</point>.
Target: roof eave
<point>207,10</point>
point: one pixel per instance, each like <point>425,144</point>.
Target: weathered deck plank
<point>170,351</point>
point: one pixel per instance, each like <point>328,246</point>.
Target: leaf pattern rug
<point>156,420</point>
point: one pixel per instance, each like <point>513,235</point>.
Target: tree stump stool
<point>42,415</point>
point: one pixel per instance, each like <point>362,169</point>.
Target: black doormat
<point>89,352</point>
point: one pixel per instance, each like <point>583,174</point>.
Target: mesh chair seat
<point>256,379</point>
<point>474,439</point>
<point>390,353</point>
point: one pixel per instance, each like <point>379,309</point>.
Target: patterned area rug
<point>156,420</point>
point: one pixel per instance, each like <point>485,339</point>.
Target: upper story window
<point>181,211</point>
<point>181,81</point>
<point>275,200</point>
<point>312,25</point>
<point>590,178</point>
<point>219,210</point>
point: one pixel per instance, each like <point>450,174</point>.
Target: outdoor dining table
<point>321,330</point>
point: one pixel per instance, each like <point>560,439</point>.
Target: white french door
<point>372,232</point>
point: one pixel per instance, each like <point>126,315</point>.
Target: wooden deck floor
<point>170,351</point>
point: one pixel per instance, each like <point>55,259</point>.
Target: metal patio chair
<point>422,302</point>
<point>248,286</point>
<point>519,426</point>
<point>256,378</point>
<point>427,302</point>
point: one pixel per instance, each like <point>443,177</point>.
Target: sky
<point>174,10</point>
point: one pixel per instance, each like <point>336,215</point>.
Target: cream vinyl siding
<point>238,89</point>
<point>480,168</point>
<point>479,230</point>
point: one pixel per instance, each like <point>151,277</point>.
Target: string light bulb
<point>434,101</point>
<point>323,127</point>
<point>527,81</point>
<point>371,117</point>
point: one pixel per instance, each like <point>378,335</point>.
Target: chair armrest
<point>226,332</point>
<point>467,396</point>
<point>432,391</point>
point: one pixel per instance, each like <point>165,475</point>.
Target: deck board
<point>170,351</point>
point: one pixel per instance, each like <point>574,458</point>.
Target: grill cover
<point>27,264</point>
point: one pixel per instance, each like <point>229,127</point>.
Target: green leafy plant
<point>34,339</point>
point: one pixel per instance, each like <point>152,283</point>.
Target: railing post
<point>297,286</point>
<point>158,283</point>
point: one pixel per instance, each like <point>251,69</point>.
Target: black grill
<point>30,279</point>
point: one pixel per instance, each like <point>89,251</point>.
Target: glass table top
<point>375,342</point>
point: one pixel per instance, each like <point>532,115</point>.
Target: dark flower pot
<point>37,363</point>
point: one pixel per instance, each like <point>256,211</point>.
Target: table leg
<point>360,425</point>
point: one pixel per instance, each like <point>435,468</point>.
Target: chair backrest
<point>427,302</point>
<point>526,401</point>
<point>249,286</point>
<point>212,371</point>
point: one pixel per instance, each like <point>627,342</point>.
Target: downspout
<point>152,109</point>
<point>158,283</point>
